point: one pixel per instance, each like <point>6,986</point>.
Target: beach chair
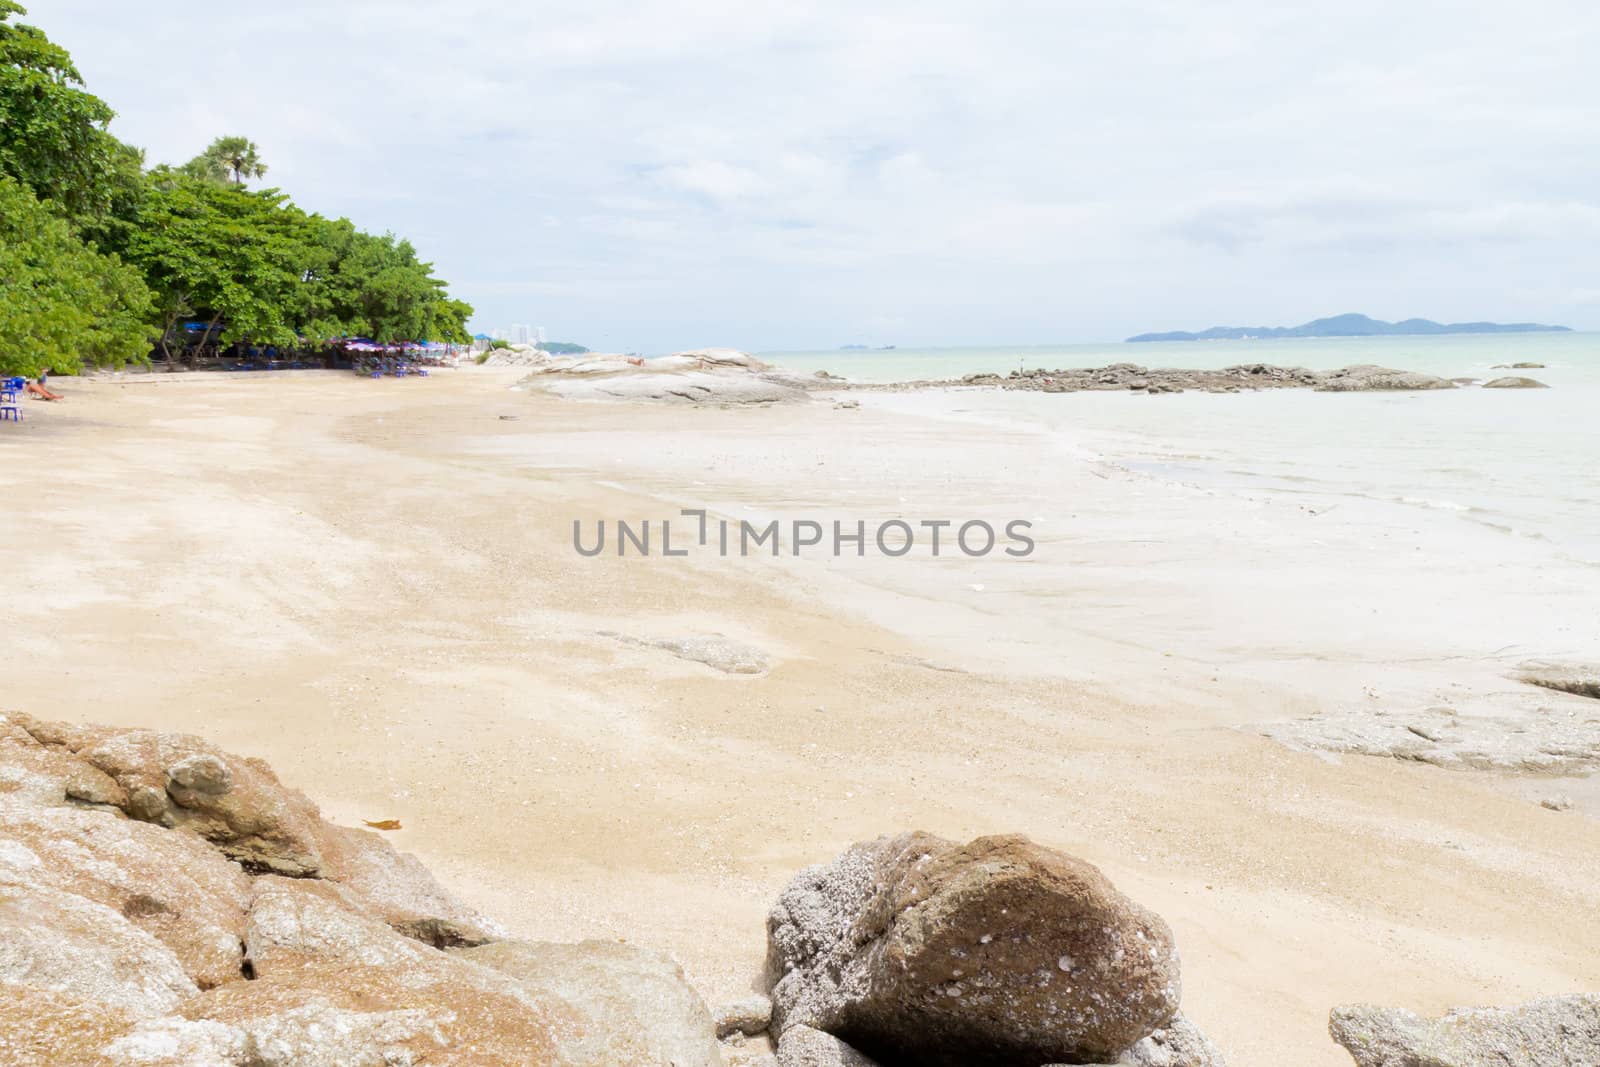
<point>10,394</point>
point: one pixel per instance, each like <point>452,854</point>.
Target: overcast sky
<point>649,175</point>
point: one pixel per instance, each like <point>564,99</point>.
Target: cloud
<point>637,173</point>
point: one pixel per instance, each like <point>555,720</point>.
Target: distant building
<point>520,334</point>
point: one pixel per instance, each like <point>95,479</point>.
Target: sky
<point>646,176</point>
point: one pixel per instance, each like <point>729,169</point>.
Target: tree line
<point>104,261</point>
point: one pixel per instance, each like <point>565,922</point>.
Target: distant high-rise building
<point>540,334</point>
<point>519,333</point>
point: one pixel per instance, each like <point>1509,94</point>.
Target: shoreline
<point>206,563</point>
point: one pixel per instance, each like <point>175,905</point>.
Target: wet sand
<point>372,585</point>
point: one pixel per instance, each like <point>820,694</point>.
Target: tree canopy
<point>102,261</point>
<point>64,304</point>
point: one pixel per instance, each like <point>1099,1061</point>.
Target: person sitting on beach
<point>40,390</point>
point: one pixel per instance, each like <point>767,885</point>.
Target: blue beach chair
<point>10,393</point>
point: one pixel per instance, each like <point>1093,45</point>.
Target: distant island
<point>1349,326</point>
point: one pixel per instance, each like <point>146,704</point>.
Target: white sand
<point>372,585</point>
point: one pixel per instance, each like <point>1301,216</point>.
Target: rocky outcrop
<point>630,1005</point>
<point>146,918</point>
<point>1244,377</point>
<point>700,376</point>
<point>1514,382</point>
<point>1518,366</point>
<point>999,951</point>
<point>1556,1032</point>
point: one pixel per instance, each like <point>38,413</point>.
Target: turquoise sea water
<point>1522,463</point>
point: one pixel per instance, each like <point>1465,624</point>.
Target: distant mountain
<point>1349,326</point>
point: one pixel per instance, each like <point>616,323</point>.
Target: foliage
<point>370,286</point>
<point>64,303</point>
<point>499,342</point>
<point>99,257</point>
<point>53,135</point>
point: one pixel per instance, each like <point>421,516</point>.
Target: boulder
<point>1514,382</point>
<point>172,886</point>
<point>1555,1032</point>
<point>632,1006</point>
<point>804,1046</point>
<point>997,952</point>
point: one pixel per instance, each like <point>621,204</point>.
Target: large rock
<point>633,1006</point>
<point>174,887</point>
<point>1556,1032</point>
<point>997,952</point>
<point>1514,382</point>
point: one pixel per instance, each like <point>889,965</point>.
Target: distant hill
<point>1349,326</point>
<point>563,348</point>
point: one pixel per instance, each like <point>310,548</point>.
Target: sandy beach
<point>373,586</point>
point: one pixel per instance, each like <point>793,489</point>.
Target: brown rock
<point>1514,383</point>
<point>998,952</point>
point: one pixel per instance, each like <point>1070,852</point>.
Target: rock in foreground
<point>145,919</point>
<point>1556,1032</point>
<point>913,949</point>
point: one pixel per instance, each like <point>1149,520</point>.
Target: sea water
<point>1523,463</point>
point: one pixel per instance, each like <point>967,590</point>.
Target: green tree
<point>53,136</point>
<point>237,259</point>
<point>63,304</point>
<point>376,287</point>
<point>227,159</point>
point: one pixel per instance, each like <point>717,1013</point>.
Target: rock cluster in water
<point>1250,376</point>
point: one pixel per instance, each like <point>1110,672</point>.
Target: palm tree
<point>228,158</point>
